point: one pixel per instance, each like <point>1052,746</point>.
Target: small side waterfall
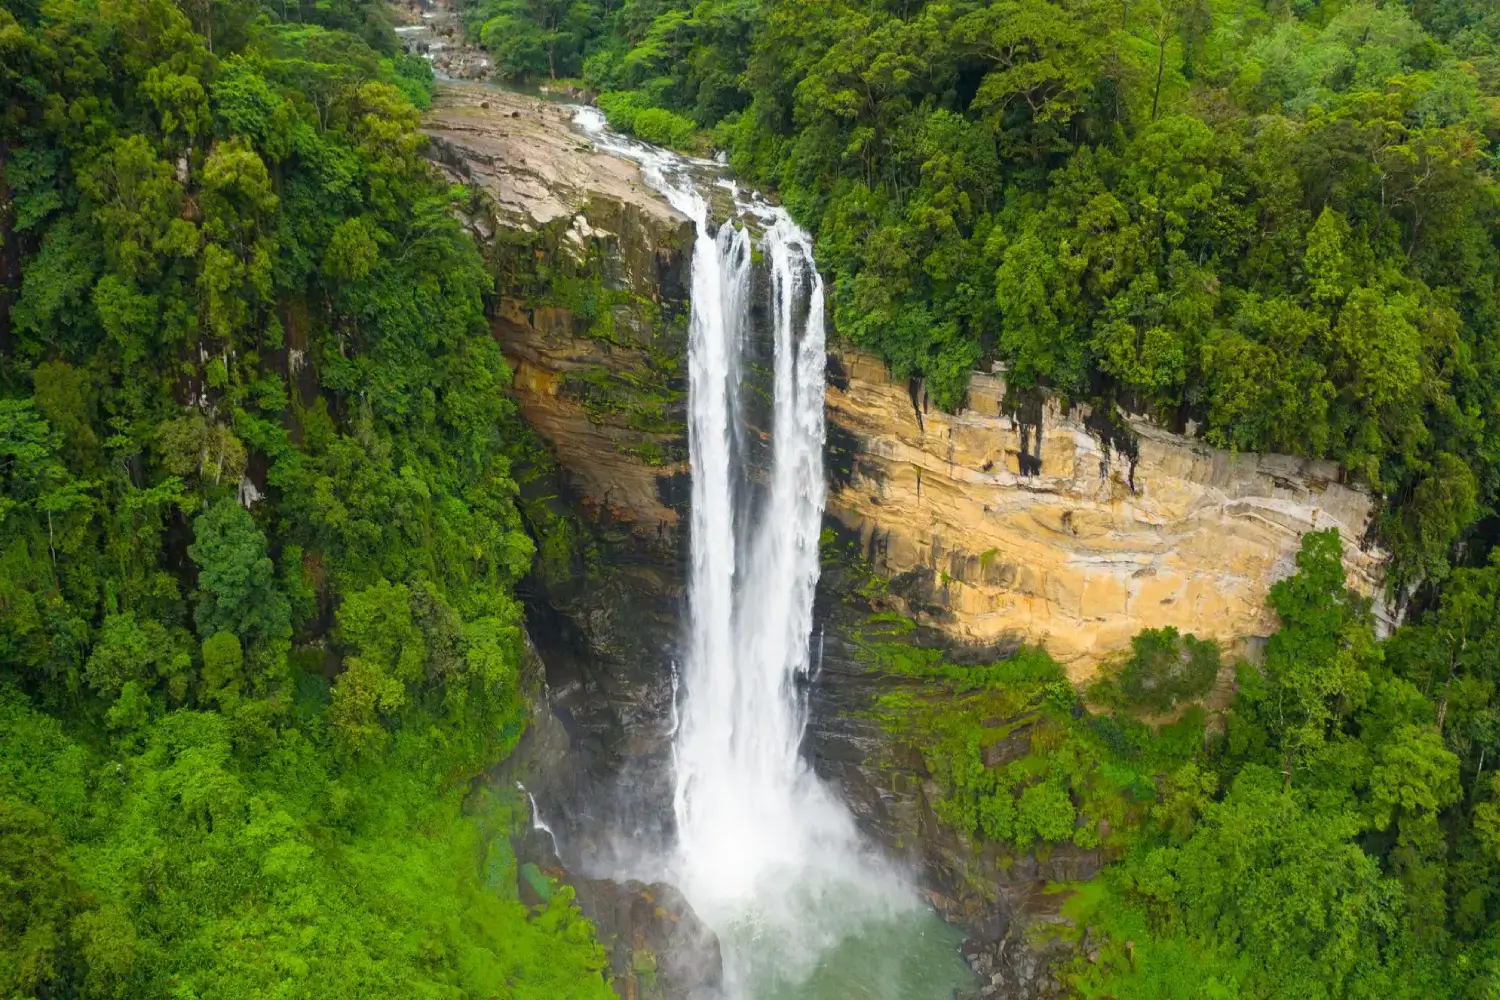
<point>537,823</point>
<point>767,855</point>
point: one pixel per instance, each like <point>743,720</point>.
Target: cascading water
<point>765,853</point>
<point>537,823</point>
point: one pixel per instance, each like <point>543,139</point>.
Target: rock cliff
<point>1010,521</point>
<point>592,272</point>
<point>998,895</point>
<point>1003,521</point>
<point>1055,527</point>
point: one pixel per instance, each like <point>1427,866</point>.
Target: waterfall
<point>537,823</point>
<point>765,853</point>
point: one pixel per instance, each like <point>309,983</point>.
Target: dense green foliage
<point>632,111</point>
<point>1274,220</point>
<point>1333,834</point>
<point>258,529</point>
<point>1162,669</point>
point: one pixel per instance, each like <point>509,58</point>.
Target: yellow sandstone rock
<point>1087,550</point>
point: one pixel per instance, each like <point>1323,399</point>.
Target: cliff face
<point>993,527</point>
<point>998,895</point>
<point>592,268</point>
<point>1032,526</point>
<point>591,274</point>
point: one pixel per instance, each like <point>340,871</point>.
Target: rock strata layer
<point>1034,527</point>
<point>526,155</point>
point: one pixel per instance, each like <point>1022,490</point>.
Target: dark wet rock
<point>658,948</point>
<point>571,773</point>
<point>597,755</point>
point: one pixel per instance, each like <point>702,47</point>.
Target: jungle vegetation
<point>1330,829</point>
<point>1269,223</point>
<point>258,525</point>
<point>1273,222</point>
<point>258,533</point>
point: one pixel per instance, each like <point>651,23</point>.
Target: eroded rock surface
<point>526,155</point>
<point>1033,527</point>
<point>592,271</point>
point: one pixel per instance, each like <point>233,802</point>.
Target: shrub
<point>665,128</point>
<point>620,108</point>
<point>631,111</point>
<point>1164,668</point>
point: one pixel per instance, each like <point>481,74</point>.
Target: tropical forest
<point>296,562</point>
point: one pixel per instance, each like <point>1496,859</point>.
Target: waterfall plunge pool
<point>910,955</point>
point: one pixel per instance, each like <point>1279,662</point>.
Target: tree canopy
<point>1272,222</point>
<point>257,529</point>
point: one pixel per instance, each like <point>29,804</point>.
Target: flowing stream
<point>766,853</point>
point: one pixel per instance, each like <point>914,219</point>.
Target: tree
<point>1163,669</point>
<point>1414,776</point>
<point>237,587</point>
<point>39,898</point>
<point>223,668</point>
<point>234,280</point>
<point>1045,812</point>
<point>1042,56</point>
<point>141,651</point>
<point>1285,886</point>
<point>530,36</point>
<point>1444,503</point>
<point>1316,665</point>
<point>388,651</point>
<point>1455,642</point>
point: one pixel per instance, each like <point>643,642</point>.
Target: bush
<point>1164,669</point>
<point>665,128</point>
<point>620,108</point>
<point>1045,811</point>
<point>631,111</point>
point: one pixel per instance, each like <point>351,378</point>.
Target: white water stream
<point>767,855</point>
<point>537,823</point>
